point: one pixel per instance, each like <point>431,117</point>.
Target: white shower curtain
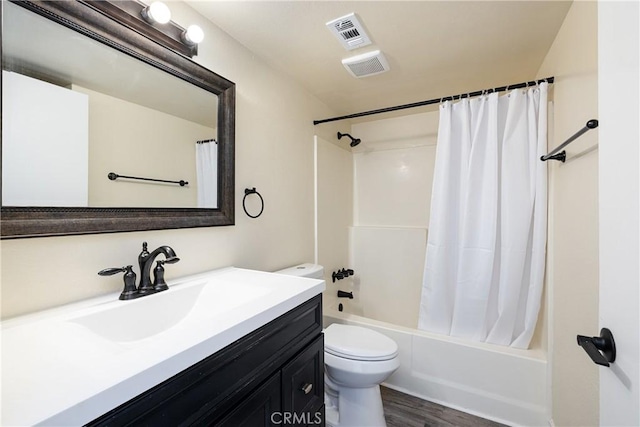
<point>484,264</point>
<point>207,174</point>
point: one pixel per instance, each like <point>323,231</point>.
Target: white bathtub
<point>498,383</point>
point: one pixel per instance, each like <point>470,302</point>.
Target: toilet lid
<point>354,342</point>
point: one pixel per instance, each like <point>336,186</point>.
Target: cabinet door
<point>303,385</point>
<point>262,408</point>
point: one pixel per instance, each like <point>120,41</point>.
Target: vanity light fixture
<point>156,12</point>
<point>193,35</point>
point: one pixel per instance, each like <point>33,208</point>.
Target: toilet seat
<point>356,343</point>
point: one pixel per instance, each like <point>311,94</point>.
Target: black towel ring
<point>248,191</point>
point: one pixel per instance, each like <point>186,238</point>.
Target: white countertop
<point>58,371</point>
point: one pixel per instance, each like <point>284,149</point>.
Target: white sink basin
<point>147,316</point>
<point>69,365</point>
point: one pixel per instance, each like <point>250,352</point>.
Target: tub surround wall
<point>274,153</point>
<point>334,208</point>
<point>388,262</point>
<point>393,170</point>
<point>572,271</point>
<point>393,174</point>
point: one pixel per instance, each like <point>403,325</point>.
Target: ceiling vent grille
<point>349,32</point>
<point>367,64</point>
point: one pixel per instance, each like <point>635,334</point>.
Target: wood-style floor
<point>403,410</point>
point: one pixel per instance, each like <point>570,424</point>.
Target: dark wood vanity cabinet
<point>293,396</point>
<point>274,376</point>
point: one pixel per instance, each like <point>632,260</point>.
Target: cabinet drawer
<point>303,383</point>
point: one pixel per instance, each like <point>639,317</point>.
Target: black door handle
<point>602,349</point>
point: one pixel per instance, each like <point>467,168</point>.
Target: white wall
<point>572,265</point>
<point>619,109</point>
<point>274,153</point>
<point>43,122</point>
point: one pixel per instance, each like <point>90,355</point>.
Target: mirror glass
<point>76,110</point>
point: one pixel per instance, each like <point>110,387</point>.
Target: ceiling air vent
<point>367,64</point>
<point>349,31</point>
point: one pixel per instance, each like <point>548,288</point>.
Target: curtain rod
<point>435,101</point>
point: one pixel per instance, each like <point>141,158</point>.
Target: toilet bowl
<point>356,361</point>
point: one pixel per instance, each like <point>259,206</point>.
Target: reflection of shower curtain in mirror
<point>484,265</point>
<point>207,173</point>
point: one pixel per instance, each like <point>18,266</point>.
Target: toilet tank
<point>312,271</point>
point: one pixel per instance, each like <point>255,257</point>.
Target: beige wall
<point>274,153</point>
<point>572,266</point>
<point>145,143</point>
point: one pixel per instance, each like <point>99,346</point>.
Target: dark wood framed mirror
<point>89,19</point>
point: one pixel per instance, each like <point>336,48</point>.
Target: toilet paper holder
<point>602,349</point>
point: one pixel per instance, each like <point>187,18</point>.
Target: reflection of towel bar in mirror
<point>113,176</point>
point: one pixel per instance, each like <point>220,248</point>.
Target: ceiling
<point>434,48</point>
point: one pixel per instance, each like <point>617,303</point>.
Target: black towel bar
<point>113,176</point>
<point>562,156</point>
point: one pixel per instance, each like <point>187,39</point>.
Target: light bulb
<point>157,12</point>
<point>194,34</point>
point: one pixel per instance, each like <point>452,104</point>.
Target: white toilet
<point>356,361</point>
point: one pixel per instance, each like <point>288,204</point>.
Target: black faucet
<point>341,274</point>
<point>129,291</point>
<point>337,275</point>
<point>145,260</point>
<point>344,294</point>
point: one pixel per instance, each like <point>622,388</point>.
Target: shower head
<point>354,141</point>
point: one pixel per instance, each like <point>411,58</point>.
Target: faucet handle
<point>129,291</point>
<point>158,277</point>
<point>337,275</point>
<point>113,270</point>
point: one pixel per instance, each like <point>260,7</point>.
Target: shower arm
<point>354,141</point>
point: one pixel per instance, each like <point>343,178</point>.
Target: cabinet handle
<point>307,388</point>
